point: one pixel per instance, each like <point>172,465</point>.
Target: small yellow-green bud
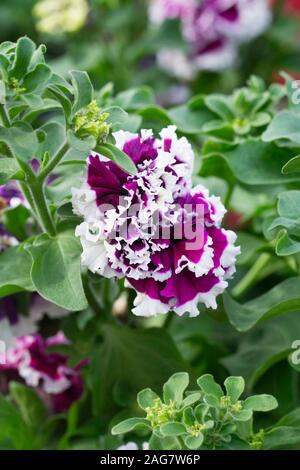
<point>91,121</point>
<point>161,413</point>
<point>241,126</point>
<point>14,86</point>
<point>195,429</point>
<point>256,440</point>
<point>226,402</point>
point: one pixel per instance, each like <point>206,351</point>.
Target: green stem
<point>27,193</point>
<point>53,162</point>
<point>28,196</point>
<point>251,276</point>
<point>228,195</point>
<point>45,217</point>
<point>35,192</point>
<point>4,115</point>
<point>169,319</point>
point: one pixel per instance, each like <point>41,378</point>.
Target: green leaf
<point>209,386</point>
<point>4,64</point>
<point>285,125</point>
<point>243,429</point>
<point>253,162</point>
<point>221,106</point>
<point>260,119</point>
<point>116,155</point>
<point>285,245</point>
<point>281,437</point>
<point>7,46</point>
<point>133,123</point>
<point>163,443</point>
<point>191,399</point>
<point>22,142</point>
<point>243,415</point>
<point>83,89</point>
<point>289,204</point>
<point>55,136</point>
<point>194,442</point>
<point>15,271</point>
<point>129,425</point>
<point>81,145</point>
<point>33,100</point>
<point>260,403</point>
<point>146,398</point>
<point>23,54</point>
<point>290,419</point>
<point>211,400</point>
<point>32,408</point>
<point>262,348</point>
<point>174,388</point>
<point>155,116</point>
<point>55,270</point>
<point>172,429</point>
<point>15,220</point>
<point>37,79</point>
<point>136,358</point>
<point>292,166</point>
<point>117,116</point>
<point>201,411</point>
<point>8,168</point>
<point>234,387</point>
<point>190,119</point>
<point>63,100</point>
<point>288,238</point>
<point>13,427</point>
<point>188,416</point>
<point>48,105</point>
<point>282,299</point>
<point>135,98</point>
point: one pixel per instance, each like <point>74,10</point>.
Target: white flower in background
<point>133,446</point>
<point>58,16</point>
<point>14,324</point>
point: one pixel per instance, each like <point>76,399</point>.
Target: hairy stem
<point>45,217</point>
<point>53,162</point>
<point>27,193</point>
<point>34,191</point>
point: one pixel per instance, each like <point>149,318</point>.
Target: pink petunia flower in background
<point>212,29</point>
<point>29,360</point>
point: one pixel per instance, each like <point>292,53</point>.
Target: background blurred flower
<point>29,360</point>
<point>213,29</point>
<point>58,16</point>
<point>10,197</point>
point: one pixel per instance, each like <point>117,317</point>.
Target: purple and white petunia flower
<point>154,229</point>
<point>30,360</point>
<point>213,30</point>
<point>13,323</point>
<point>10,195</point>
<point>161,10</point>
